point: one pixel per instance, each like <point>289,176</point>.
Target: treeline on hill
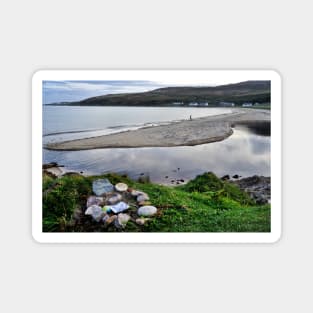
<point>249,91</point>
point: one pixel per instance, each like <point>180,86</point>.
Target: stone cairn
<point>115,205</point>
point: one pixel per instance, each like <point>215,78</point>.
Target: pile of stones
<point>117,205</point>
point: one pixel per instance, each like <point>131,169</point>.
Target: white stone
<point>96,212</point>
<point>147,210</point>
<point>121,220</point>
<point>121,187</point>
<point>119,207</point>
<point>142,197</point>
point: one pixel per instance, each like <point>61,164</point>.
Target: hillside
<point>205,204</point>
<point>249,91</point>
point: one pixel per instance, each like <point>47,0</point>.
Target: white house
<point>247,104</point>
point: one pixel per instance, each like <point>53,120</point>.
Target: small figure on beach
<point>190,117</point>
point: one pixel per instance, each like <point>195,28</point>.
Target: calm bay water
<point>246,152</point>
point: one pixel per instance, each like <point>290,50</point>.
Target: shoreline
<point>185,133</point>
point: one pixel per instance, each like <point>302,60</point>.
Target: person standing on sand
<point>190,117</point>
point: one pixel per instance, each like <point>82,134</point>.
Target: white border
<point>178,75</point>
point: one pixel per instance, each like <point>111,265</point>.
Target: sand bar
<point>185,133</point>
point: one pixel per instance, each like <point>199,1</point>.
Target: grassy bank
<point>205,204</point>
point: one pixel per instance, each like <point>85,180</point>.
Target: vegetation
<point>205,204</point>
<point>249,91</point>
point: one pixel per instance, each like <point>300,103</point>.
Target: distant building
<point>193,104</point>
<point>178,103</point>
<point>203,104</point>
<point>247,104</point>
<point>227,104</point>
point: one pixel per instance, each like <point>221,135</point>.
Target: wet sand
<point>186,133</point>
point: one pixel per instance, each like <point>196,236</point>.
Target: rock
<point>55,171</point>
<point>48,165</point>
<point>142,197</point>
<point>102,186</point>
<point>71,174</point>
<point>141,221</point>
<point>225,177</point>
<point>166,176</point>
<point>136,193</point>
<point>121,187</point>
<point>236,176</point>
<point>116,197</point>
<point>117,208</point>
<point>262,200</point>
<point>96,212</point>
<point>107,220</point>
<point>147,210</point>
<point>121,220</point>
<point>182,180</point>
<point>258,187</point>
<point>94,200</point>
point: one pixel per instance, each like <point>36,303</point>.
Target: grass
<point>205,204</point>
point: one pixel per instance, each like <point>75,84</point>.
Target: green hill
<point>249,91</point>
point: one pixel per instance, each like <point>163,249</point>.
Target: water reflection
<point>259,128</point>
<point>244,153</point>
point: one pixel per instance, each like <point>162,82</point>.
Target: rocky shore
<point>258,187</point>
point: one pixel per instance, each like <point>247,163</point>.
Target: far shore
<point>185,133</point>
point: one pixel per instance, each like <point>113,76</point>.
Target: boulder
<point>102,186</point>
<point>147,210</point>
<point>225,177</point>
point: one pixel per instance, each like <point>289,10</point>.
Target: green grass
<point>205,204</point>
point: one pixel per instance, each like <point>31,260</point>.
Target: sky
<point>62,91</point>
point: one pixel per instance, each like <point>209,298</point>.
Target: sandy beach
<point>184,133</point>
